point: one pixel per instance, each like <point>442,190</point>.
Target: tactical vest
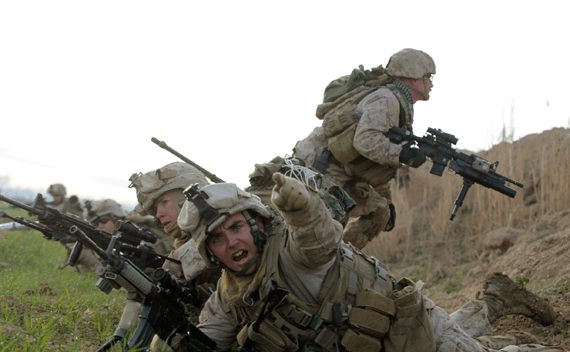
<point>340,121</point>
<point>355,312</point>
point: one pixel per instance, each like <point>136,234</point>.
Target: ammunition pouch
<point>357,189</point>
<point>357,342</point>
<point>342,145</point>
<point>369,321</point>
<point>376,174</point>
<point>411,329</point>
<point>268,338</point>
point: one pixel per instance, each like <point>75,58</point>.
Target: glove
<point>412,156</point>
<point>289,194</point>
<point>392,221</point>
<point>175,268</point>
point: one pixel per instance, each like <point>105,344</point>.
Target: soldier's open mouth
<point>240,255</point>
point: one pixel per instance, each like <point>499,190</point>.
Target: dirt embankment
<point>526,238</point>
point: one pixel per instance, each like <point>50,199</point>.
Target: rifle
<point>56,226</point>
<point>208,174</point>
<point>163,312</point>
<point>436,145</point>
<point>162,298</point>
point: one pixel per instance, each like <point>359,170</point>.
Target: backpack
<point>337,111</point>
<point>374,78</point>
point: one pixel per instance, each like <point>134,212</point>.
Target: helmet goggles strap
<point>208,214</point>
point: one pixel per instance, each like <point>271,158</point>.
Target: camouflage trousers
<point>372,211</point>
<point>450,337</point>
<point>456,332</point>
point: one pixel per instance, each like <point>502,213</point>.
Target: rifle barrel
<point>18,204</point>
<point>208,174</point>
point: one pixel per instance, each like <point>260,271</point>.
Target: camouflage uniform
<point>385,107</point>
<point>94,210</point>
<point>64,205</point>
<point>309,247</point>
<point>173,179</point>
<point>71,205</point>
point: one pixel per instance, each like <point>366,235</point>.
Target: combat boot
<point>504,297</point>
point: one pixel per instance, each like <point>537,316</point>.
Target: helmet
<point>95,209</point>
<point>57,189</point>
<point>410,63</point>
<point>227,199</point>
<point>151,185</point>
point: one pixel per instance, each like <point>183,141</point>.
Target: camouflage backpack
<point>337,111</point>
<point>375,77</point>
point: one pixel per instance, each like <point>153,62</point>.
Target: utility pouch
<point>342,147</point>
<point>242,336</point>
<point>411,329</point>
<point>357,342</point>
<point>370,299</point>
<point>340,120</point>
<point>327,340</point>
<point>357,189</point>
<point>267,339</point>
<point>368,321</point>
<point>374,173</point>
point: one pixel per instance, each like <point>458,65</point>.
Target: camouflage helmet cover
<point>410,63</point>
<point>151,185</point>
<point>95,209</point>
<point>227,199</point>
<point>57,189</point>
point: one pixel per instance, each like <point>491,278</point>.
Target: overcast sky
<point>84,85</point>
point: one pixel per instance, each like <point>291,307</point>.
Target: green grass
<point>43,308</point>
<point>522,281</point>
<point>13,211</point>
<point>452,288</point>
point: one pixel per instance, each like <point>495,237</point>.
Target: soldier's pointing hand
<point>289,194</point>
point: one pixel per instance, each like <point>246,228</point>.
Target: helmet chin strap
<point>423,94</point>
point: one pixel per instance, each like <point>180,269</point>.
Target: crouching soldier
<point>71,205</point>
<point>105,214</point>
<point>160,194</point>
<point>62,203</point>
